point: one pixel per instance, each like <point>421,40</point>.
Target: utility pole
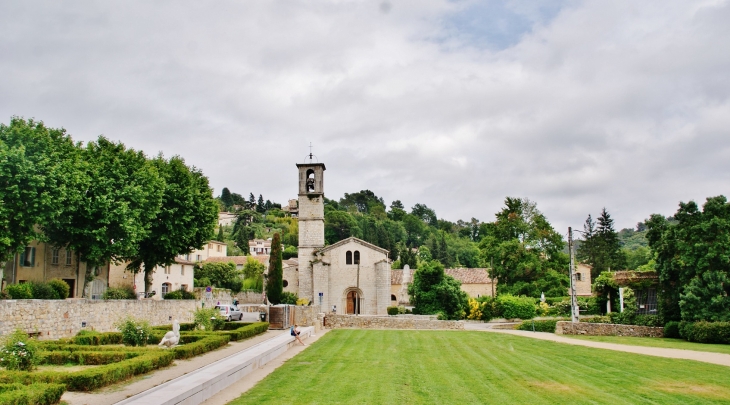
<point>491,273</point>
<point>574,310</point>
<point>357,293</point>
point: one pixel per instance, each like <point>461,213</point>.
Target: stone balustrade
<point>606,329</point>
<point>333,321</point>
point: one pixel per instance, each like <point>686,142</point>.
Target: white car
<point>230,312</point>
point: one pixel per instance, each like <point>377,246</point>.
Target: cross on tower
<point>310,151</point>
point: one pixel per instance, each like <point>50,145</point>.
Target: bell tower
<point>311,222</point>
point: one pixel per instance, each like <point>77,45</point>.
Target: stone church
<point>351,276</point>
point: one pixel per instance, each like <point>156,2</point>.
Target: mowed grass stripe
<point>415,367</point>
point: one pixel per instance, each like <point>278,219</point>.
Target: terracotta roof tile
<point>470,276</point>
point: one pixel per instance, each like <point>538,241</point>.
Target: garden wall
<point>333,321</point>
<point>224,296</point>
<point>53,319</point>
<point>606,329</point>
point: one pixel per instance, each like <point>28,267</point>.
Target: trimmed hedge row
<point>33,394</point>
<point>89,358</point>
<point>97,377</point>
<point>200,344</point>
<point>540,326</point>
<point>245,332</point>
<point>705,332</point>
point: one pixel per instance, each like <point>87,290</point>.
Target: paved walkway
<point>707,357</point>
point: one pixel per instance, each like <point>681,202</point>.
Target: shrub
<point>43,291</point>
<point>540,326</point>
<point>516,307</point>
<point>37,394</point>
<point>705,332</point>
<point>303,301</point>
<point>208,319</point>
<point>19,291</point>
<point>134,333</point>
<point>204,343</point>
<point>489,308</point>
<point>173,295</point>
<point>289,298</point>
<point>61,287</point>
<point>119,293</point>
<point>91,338</point>
<point>19,352</point>
<point>588,306</point>
<point>202,282</point>
<point>392,310</point>
<point>671,330</point>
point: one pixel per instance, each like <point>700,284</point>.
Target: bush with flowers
<point>19,352</point>
<point>134,333</point>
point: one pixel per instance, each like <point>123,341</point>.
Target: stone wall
<point>333,321</point>
<point>606,329</point>
<point>53,319</point>
<point>224,296</point>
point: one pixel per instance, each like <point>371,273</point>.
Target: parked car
<point>230,312</point>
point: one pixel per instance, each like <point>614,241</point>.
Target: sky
<point>576,105</point>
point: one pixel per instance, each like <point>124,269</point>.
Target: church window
<point>286,283</point>
<point>357,257</point>
<point>348,257</point>
<point>392,297</point>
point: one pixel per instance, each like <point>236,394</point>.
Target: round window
<point>286,283</point>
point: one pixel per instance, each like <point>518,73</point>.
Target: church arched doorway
<point>352,306</point>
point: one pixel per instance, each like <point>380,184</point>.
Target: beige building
<point>582,280</point>
<point>259,247</point>
<point>40,261</point>
<point>177,276</point>
<point>475,282</point>
<point>226,218</point>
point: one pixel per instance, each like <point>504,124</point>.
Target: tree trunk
<point>148,272</point>
<point>88,275</point>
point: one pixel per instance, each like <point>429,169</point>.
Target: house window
<point>183,287</point>
<point>167,269</point>
<point>198,258</point>
<point>210,246</point>
<point>577,276</point>
<point>182,270</point>
<point>165,288</point>
<point>27,257</point>
<point>348,257</point>
<point>54,256</point>
<point>218,248</point>
<point>69,255</point>
<point>357,257</point>
<point>187,257</point>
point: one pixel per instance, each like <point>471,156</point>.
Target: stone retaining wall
<point>606,329</point>
<point>53,319</point>
<point>333,321</point>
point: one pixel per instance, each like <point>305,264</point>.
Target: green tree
<point>601,247</point>
<point>364,201</point>
<point>251,202</point>
<point>397,211</point>
<point>260,205</point>
<point>220,274</point>
<point>185,221</point>
<point>692,251</point>
<point>275,276</point>
<point>425,214</point>
<point>38,177</point>
<point>122,195</point>
<point>339,225</point>
<point>432,292</point>
<point>226,197</point>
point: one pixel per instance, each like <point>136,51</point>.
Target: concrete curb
<point>194,388</point>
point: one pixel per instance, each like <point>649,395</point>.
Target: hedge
<point>512,307</point>
<point>97,377</point>
<point>540,326</point>
<point>33,394</point>
<point>245,332</point>
<point>705,332</point>
<point>392,310</point>
<point>671,330</point>
<point>89,358</point>
<point>97,338</point>
<point>201,344</point>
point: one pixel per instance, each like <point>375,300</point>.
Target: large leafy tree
<point>432,291</point>
<point>38,177</point>
<point>425,214</point>
<point>275,275</point>
<point>226,197</point>
<point>693,260</point>
<point>121,196</point>
<point>524,249</point>
<point>364,201</point>
<point>339,225</point>
<point>222,275</point>
<point>185,221</point>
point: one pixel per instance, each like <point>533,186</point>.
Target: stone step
<point>196,387</point>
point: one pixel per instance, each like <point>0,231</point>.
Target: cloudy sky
<point>453,104</point>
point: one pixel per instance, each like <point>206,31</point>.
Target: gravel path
<point>707,357</point>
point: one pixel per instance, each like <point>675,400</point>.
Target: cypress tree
<point>220,234</point>
<point>260,207</point>
<point>226,197</point>
<point>275,276</point>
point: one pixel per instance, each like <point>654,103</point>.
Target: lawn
<point>424,367</point>
<point>657,342</point>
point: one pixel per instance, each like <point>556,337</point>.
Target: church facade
<point>351,276</point>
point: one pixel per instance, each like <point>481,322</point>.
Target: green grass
<point>444,367</point>
<point>657,342</point>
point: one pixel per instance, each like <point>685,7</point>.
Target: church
<point>351,276</point>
